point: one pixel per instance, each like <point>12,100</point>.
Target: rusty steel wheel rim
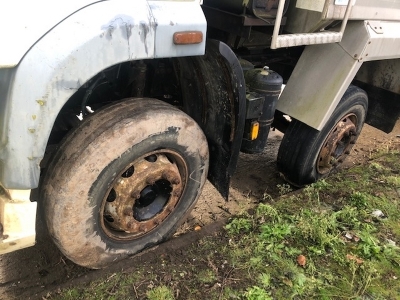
<point>338,144</point>
<point>143,195</point>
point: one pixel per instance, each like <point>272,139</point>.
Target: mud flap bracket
<point>215,92</point>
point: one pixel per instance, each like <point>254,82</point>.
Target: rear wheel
<point>123,181</point>
<point>307,155</point>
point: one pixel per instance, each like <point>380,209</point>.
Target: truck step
<point>300,39</point>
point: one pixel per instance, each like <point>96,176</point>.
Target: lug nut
<point>175,180</point>
<point>128,212</point>
<point>150,181</point>
<point>135,195</point>
<point>167,175</point>
<point>177,193</point>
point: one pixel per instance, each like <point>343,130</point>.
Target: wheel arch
<point>54,69</point>
<point>208,88</point>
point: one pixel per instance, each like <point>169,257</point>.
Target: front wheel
<point>307,155</point>
<point>123,181</point>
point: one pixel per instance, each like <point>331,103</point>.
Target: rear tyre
<point>307,155</point>
<point>123,181</point>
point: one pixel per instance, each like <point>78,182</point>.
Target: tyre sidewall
<point>356,105</point>
<point>302,144</point>
<point>90,158</point>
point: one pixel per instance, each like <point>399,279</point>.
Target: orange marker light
<point>254,129</point>
<point>188,37</point>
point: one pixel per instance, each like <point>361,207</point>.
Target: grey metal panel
<point>355,39</point>
<point>385,42</point>
<point>304,17</point>
<point>376,10</point>
<point>324,72</point>
<point>319,80</point>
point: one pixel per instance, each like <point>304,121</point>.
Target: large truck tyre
<point>123,181</point>
<point>307,155</point>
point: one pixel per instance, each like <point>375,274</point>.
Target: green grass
<point>349,252</point>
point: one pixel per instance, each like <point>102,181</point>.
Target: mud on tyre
<point>123,181</point>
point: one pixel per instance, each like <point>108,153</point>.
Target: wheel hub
<point>338,144</point>
<point>144,195</point>
<point>152,200</point>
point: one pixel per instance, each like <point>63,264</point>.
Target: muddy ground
<point>29,273</point>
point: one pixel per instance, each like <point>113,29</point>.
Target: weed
<point>393,180</point>
<point>348,218</point>
<point>284,189</point>
<point>160,293</point>
<point>266,197</point>
<point>319,229</point>
<point>275,232</point>
<point>375,166</point>
<point>369,245</point>
<point>359,199</point>
<point>239,225</point>
<point>207,276</point>
<point>267,212</point>
<point>313,191</point>
<point>264,279</point>
<point>321,185</point>
<point>256,293</point>
<point>72,294</point>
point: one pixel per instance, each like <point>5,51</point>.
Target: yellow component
<point>254,128</point>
